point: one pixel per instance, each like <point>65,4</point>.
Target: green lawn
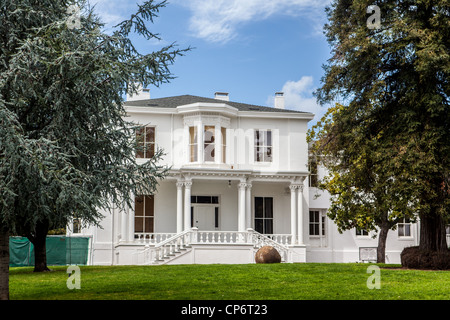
<point>231,282</point>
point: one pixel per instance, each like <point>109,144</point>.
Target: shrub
<point>415,258</point>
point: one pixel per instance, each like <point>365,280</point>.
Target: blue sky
<point>248,48</point>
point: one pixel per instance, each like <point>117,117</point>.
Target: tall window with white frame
<point>145,142</point>
<point>264,215</point>
<point>313,176</point>
<point>263,145</point>
<point>193,144</point>
<point>209,136</point>
<point>224,144</point>
<point>144,216</point>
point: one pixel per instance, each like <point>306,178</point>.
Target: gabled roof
<point>176,101</point>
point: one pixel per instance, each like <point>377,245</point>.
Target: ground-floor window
<point>404,228</point>
<point>264,215</point>
<point>144,214</point>
<point>362,232</point>
<point>316,223</point>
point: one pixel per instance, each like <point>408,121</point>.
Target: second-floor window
<point>209,138</point>
<point>193,144</point>
<point>263,145</point>
<point>145,140</point>
<point>209,151</point>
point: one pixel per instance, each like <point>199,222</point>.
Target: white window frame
<point>146,142</point>
<point>402,226</point>
<point>263,144</point>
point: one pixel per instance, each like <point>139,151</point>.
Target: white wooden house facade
<point>239,179</point>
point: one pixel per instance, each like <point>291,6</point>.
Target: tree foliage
<point>394,126</point>
<point>70,151</point>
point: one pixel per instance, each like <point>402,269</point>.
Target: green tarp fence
<point>61,250</point>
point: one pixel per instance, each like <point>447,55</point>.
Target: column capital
<point>242,185</point>
<point>188,184</point>
<point>180,184</point>
<point>249,185</point>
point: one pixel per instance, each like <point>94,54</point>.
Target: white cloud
<point>298,95</point>
<point>219,20</point>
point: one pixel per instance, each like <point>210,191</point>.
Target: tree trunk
<point>432,232</point>
<point>40,250</point>
<point>381,252</point>
<point>4,265</point>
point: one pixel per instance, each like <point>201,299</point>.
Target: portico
<point>280,186</point>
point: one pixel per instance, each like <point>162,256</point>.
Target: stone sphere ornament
<point>267,254</point>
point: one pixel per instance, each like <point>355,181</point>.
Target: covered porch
<point>228,208</point>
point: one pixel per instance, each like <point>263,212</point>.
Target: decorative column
<point>248,206</point>
<point>293,188</point>
<point>300,214</point>
<point>131,221</point>
<point>180,185</point>
<point>123,225</point>
<point>187,204</point>
<point>241,206</point>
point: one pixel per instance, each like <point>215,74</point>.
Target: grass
<point>310,281</point>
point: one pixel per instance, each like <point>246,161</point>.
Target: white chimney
<point>222,96</point>
<point>279,100</point>
<point>142,94</point>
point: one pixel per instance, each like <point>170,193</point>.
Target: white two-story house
<point>239,180</point>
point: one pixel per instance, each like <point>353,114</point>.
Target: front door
<point>204,217</point>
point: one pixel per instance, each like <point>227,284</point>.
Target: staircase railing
<point>260,240</point>
<point>181,241</point>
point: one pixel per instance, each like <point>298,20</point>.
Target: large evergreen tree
<point>394,81</point>
<point>63,83</point>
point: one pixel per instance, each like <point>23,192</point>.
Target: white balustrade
<point>163,245</point>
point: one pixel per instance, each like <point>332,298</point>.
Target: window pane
<point>401,232</point>
<point>209,134</point>
<point>149,134</point>
<point>268,141</point>
<point>215,199</point>
<point>268,156</point>
<point>209,143</point>
<point>140,142</point>
<point>316,229</point>
<point>139,206</point>
<point>139,224</point>
<point>323,225</point>
<point>259,207</point>
<point>257,138</point>
<point>149,206</point>
<point>193,144</point>
<point>224,145</point>
<point>192,135</point>
<point>203,199</point>
<point>194,153</point>
<point>268,226</point>
<point>259,225</point>
<point>149,150</point>
<point>268,207</point>
<point>216,217</point>
<point>407,230</point>
<point>258,154</point>
<point>148,225</point>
